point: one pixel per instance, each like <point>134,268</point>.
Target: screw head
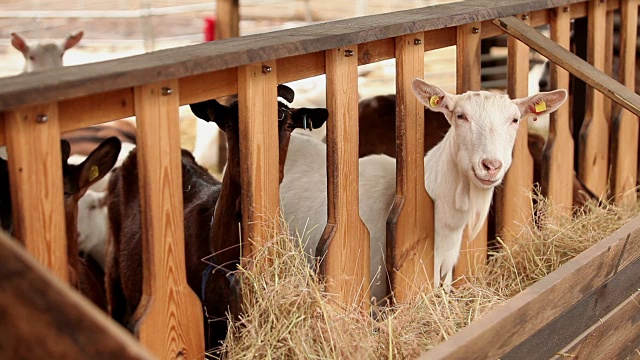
<point>475,30</point>
<point>417,42</point>
<point>525,16</point>
<point>565,9</point>
<point>266,69</point>
<point>166,91</point>
<point>42,118</point>
<point>348,53</point>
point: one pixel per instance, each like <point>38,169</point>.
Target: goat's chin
<point>483,183</point>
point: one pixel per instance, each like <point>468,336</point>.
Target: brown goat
<point>205,199</point>
<point>378,136</point>
<point>84,272</point>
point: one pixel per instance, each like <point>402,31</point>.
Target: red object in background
<point>209,28</point>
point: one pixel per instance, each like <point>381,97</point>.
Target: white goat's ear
<point>433,97</point>
<point>542,103</point>
<point>19,43</point>
<point>72,40</point>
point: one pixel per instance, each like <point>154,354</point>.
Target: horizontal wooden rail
<point>83,80</point>
<point>65,326</point>
<point>591,285</point>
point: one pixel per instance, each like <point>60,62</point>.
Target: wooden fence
<point>37,107</point>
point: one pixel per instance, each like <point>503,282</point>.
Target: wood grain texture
<point>77,112</point>
<point>608,63</point>
<point>345,240</point>
<point>82,80</point>
<point>259,156</point>
<point>410,223</point>
<point>590,309</point>
<point>35,174</point>
<point>545,300</point>
<point>594,134</point>
<point>169,315</point>
<point>513,207</point>
<point>227,19</point>
<point>610,334</point>
<point>473,252</point>
<point>576,66</point>
<point>624,146</point>
<point>44,318</point>
<point>557,164</point>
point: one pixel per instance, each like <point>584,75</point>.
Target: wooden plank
<point>624,146</point>
<point>260,172</point>
<point>410,222</point>
<point>43,318</point>
<point>610,333</point>
<point>345,240</point>
<point>543,301</point>
<point>227,19</point>
<point>77,81</point>
<point>196,88</point>
<point>576,66</point>
<point>35,173</point>
<point>594,134</point>
<point>473,252</point>
<point>513,208</point>
<point>608,63</point>
<point>571,323</point>
<point>557,165</point>
<point>169,317</point>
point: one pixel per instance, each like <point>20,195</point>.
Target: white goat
<point>460,174</point>
<point>44,55</point>
<point>93,225</point>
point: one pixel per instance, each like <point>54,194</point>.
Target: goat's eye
<point>460,117</point>
<point>32,58</point>
<point>515,120</point>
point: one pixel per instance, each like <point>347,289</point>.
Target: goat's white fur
<point>460,198</point>
<point>93,226</point>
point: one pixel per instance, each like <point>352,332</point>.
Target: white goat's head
<point>484,126</point>
<point>45,55</point>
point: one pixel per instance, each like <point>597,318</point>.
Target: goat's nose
<point>491,165</point>
<point>543,84</point>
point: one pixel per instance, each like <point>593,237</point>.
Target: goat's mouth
<point>487,182</point>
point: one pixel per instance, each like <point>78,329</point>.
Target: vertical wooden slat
<point>257,97</point>
<point>170,316</point>
<point>227,26</point>
<point>515,197</point>
<point>35,171</point>
<point>625,125</point>
<point>410,222</point>
<point>594,135</point>
<point>472,251</point>
<point>608,62</point>
<point>557,174</point>
<point>345,239</point>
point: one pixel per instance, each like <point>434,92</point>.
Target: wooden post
<point>260,173</point>
<point>624,148</point>
<point>514,205</point>
<point>227,26</point>
<point>473,252</point>
<point>410,222</point>
<point>594,135</point>
<point>35,172</point>
<point>345,240</point>
<point>557,173</point>
<point>608,63</point>
<point>169,315</point>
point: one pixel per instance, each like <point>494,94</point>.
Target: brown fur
<point>202,196</point>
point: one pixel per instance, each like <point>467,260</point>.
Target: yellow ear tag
<point>541,106</point>
<point>434,101</point>
<point>93,172</point>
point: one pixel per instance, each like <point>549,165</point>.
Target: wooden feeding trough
<point>591,297</point>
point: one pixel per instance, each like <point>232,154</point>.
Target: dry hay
<point>287,314</point>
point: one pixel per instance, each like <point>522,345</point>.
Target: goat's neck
<point>225,235</point>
